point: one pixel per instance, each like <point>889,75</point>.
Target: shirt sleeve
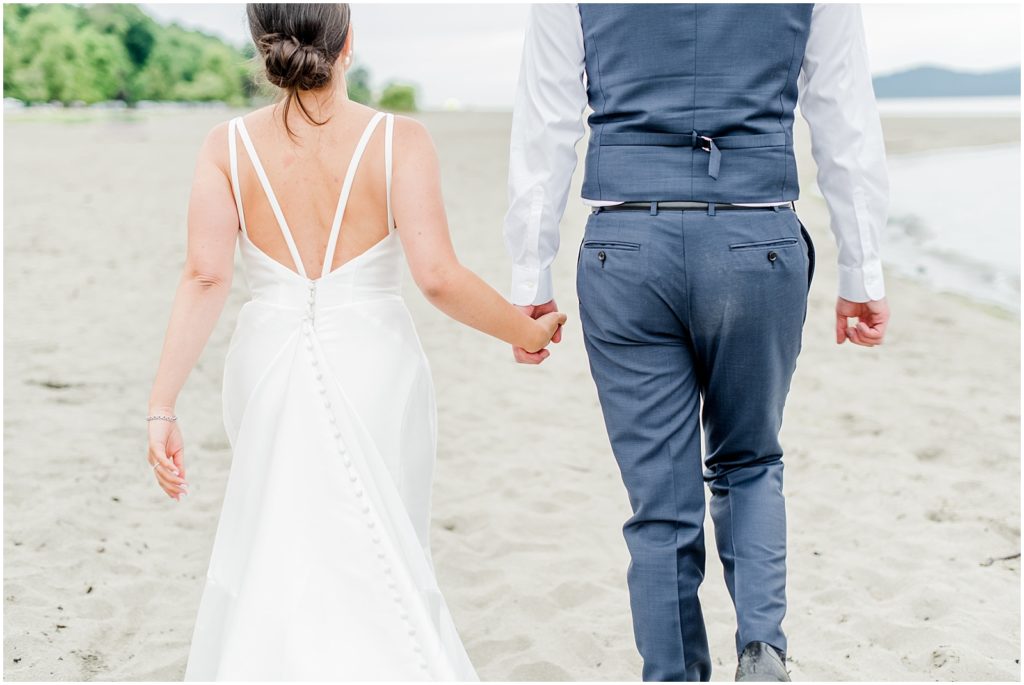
<point>547,122</point>
<point>838,102</point>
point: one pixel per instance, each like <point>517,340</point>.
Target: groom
<point>694,270</point>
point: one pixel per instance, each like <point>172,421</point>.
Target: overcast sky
<point>469,53</point>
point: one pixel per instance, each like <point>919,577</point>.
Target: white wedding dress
<point>321,566</point>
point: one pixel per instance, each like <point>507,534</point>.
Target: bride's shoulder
<point>214,148</point>
<point>220,130</point>
<point>215,145</point>
<point>412,140</point>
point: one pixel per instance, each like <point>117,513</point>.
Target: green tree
<point>187,65</point>
<point>56,54</point>
<point>398,97</point>
<point>133,27</point>
<point>105,67</point>
<point>102,52</point>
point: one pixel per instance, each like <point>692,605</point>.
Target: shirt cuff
<point>531,286</point>
<point>862,284</point>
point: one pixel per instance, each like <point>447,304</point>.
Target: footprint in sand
<point>929,453</point>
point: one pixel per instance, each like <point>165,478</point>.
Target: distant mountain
<point>939,82</point>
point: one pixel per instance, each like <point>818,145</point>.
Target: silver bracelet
<point>162,418</point>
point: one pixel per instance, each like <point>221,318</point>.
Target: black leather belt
<point>654,207</point>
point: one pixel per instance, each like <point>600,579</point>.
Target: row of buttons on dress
<point>353,477</point>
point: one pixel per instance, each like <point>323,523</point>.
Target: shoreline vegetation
<point>115,56</point>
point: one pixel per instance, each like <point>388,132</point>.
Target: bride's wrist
<point>156,408</point>
<point>532,334</point>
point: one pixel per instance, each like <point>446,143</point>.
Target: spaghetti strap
<point>265,182</point>
<point>389,133</point>
<point>236,190</point>
<point>346,188</point>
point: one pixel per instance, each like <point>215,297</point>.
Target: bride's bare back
<point>307,173</point>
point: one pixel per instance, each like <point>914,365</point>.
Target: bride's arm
<point>198,302</point>
<point>418,207</point>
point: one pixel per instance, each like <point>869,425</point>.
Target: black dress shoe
<point>762,662</point>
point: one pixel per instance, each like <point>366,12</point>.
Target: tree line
<point>105,52</point>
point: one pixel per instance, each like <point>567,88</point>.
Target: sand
<point>903,464</point>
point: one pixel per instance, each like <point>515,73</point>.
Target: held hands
<point>548,330</point>
<point>872,319</point>
<point>166,456</point>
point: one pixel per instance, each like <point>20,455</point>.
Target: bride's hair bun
<point>299,43</point>
<point>291,64</point>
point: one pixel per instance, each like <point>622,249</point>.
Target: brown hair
<point>299,43</point>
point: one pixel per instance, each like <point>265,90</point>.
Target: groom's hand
<point>535,311</point>
<point>872,320</point>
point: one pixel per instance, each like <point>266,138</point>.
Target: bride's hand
<point>167,457</point>
<point>545,327</point>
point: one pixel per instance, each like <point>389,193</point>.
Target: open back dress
<point>321,566</point>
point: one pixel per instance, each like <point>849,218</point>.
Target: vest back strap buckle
<point>714,154</point>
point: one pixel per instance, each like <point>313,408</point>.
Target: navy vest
<point>692,102</point>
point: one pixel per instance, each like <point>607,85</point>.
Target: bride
<point>321,566</point>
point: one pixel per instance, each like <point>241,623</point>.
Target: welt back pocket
<point>609,245</point>
<point>775,242</point>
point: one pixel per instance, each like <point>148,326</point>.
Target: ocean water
<point>943,107</point>
<point>954,221</point>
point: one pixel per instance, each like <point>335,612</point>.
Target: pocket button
<point>772,255</point>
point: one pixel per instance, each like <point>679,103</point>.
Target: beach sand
<point>903,462</point>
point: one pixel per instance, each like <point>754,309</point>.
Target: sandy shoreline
<point>903,464</point>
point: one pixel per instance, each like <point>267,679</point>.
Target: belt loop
<point>711,209</point>
<point>793,205</point>
<point>654,208</point>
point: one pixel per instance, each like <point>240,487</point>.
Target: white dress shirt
<point>835,97</point>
